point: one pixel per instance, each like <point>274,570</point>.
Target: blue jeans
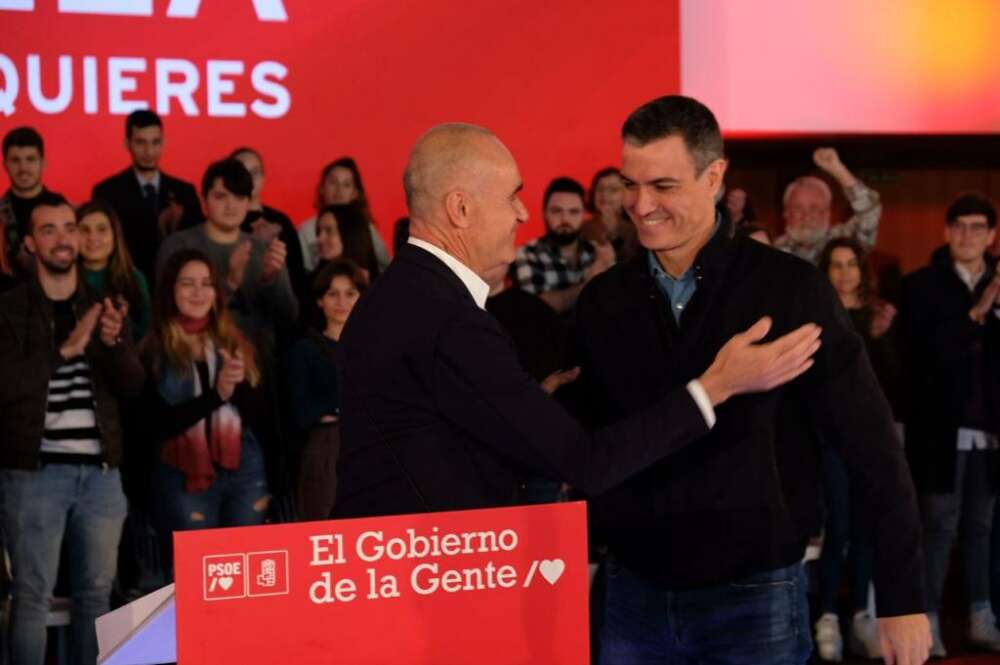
<point>236,498</point>
<point>84,504</point>
<point>842,531</point>
<point>763,618</point>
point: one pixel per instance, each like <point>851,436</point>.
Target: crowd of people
<point>171,359</point>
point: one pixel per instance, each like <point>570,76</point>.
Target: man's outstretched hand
<point>745,366</point>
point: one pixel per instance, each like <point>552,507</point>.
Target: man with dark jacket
<point>437,412</point>
<point>706,546</point>
<point>150,203</point>
<point>65,361</point>
<point>24,162</point>
<point>951,332</point>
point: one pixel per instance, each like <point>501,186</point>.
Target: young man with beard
<point>65,362</point>
<point>806,210</point>
<point>558,265</point>
<point>24,161</point>
<point>706,546</point>
<point>150,203</point>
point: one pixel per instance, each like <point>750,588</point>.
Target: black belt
<point>75,459</point>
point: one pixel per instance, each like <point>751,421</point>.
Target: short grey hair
<point>808,182</point>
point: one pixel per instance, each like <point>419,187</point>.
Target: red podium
<point>506,585</point>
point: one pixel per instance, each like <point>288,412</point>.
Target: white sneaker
<point>937,646</point>
<point>983,631</point>
<point>864,636</point>
<point>829,643</point>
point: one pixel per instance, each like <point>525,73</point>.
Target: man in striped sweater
<point>65,361</point>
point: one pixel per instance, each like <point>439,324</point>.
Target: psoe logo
<point>266,10</point>
<point>243,575</point>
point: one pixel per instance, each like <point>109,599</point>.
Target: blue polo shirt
<point>677,291</point>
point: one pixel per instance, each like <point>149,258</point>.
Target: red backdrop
<point>364,78</point>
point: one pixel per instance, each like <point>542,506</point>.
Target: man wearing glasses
<point>951,322</point>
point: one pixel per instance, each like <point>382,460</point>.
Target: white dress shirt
<point>479,289</point>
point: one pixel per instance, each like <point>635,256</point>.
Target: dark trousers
<point>763,618</point>
<point>971,507</point>
<point>842,532</point>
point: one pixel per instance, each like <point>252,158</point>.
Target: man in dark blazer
<point>706,546</point>
<point>438,414</point>
<point>150,204</point>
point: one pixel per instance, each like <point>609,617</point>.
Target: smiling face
<point>807,212</point>
<point>496,209</point>
<point>24,166</point>
<point>194,291</point>
<point>54,238</point>
<point>670,204</point>
<point>97,240</point>
<point>608,193</point>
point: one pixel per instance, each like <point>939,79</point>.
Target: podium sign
<point>505,585</point>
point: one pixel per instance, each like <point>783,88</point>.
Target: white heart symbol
<point>225,583</point>
<point>552,570</point>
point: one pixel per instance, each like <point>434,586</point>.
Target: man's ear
<point>456,204</point>
<point>29,243</point>
<point>715,174</point>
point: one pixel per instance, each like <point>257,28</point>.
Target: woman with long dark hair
<point>312,381</point>
<point>107,265</point>
<point>844,261</point>
<point>207,409</point>
<point>343,225</point>
<point>608,222</point>
<point>340,183</point>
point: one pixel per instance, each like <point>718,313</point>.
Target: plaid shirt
<point>863,225</point>
<point>540,267</point>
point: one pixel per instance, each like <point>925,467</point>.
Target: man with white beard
<point>806,210</point>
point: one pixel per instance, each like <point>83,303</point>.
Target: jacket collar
<point>411,254</point>
<point>82,295</point>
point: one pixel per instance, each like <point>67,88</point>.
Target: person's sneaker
<point>864,636</point>
<point>983,631</point>
<point>829,643</point>
<point>937,646</point>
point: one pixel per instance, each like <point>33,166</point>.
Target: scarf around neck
<point>198,451</point>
